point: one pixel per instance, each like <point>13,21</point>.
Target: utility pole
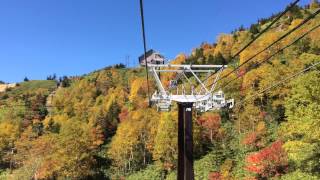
<point>127,61</point>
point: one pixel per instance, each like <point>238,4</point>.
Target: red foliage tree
<point>241,72</point>
<point>97,137</point>
<point>263,114</point>
<point>123,114</point>
<point>269,162</point>
<point>250,139</point>
<point>215,176</point>
<point>211,123</point>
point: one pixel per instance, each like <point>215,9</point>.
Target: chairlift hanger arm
<point>159,84</point>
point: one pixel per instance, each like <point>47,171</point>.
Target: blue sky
<point>74,37</point>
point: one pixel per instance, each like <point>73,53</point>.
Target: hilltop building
<point>152,57</point>
<point>4,87</point>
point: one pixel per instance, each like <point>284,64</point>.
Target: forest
<point>99,125</point>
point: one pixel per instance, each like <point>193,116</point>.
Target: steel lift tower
<point>182,90</point>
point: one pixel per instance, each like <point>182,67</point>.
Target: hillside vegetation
<point>99,126</point>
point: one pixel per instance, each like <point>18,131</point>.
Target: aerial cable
<point>145,48</point>
<point>277,52</point>
<point>261,33</point>
<point>279,39</point>
<point>267,28</point>
<point>278,83</point>
<point>24,105</point>
<point>270,57</point>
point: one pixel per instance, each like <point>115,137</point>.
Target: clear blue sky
<point>74,37</point>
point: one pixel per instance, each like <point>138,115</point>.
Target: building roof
<point>149,53</point>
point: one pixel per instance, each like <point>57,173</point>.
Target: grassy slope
<point>32,86</point>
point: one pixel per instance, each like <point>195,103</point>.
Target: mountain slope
<point>99,125</point>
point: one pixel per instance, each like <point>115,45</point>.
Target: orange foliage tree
<point>211,123</point>
<point>268,162</point>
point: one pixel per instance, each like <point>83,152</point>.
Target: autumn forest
<point>99,125</point>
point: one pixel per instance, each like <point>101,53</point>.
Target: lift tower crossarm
<point>202,98</point>
<point>180,71</point>
<point>186,66</point>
